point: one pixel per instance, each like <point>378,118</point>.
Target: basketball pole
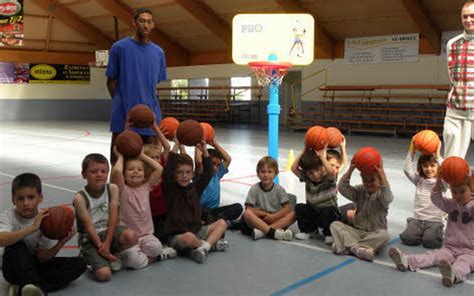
<point>273,111</point>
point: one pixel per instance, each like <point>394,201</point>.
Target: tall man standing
<point>458,123</point>
<point>136,65</point>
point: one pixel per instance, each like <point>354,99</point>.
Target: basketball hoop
<point>269,72</point>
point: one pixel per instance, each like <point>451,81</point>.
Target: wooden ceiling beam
<point>425,24</point>
<point>48,57</point>
<point>323,43</point>
<point>176,55</point>
<point>72,20</point>
<point>206,16</point>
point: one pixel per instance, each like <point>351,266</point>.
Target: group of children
<point>158,205</point>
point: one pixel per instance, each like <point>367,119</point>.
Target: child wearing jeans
<point>368,234</point>
<point>426,225</point>
<point>456,258</point>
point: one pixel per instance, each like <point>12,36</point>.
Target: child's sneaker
<point>281,234</point>
<point>167,253</point>
<point>447,273</point>
<point>363,253</point>
<point>116,265</point>
<point>31,290</point>
<point>199,255</point>
<point>13,290</point>
<point>220,246</point>
<point>399,258</point>
<point>334,250</point>
<point>302,235</point>
<point>257,234</point>
<point>328,240</point>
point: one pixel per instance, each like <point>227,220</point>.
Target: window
<point>244,93</point>
<point>201,91</point>
<point>182,91</point>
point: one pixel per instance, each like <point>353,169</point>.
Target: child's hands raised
<point>411,147</point>
<point>116,153</point>
<point>438,150</point>
<point>322,152</point>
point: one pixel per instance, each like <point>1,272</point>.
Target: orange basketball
<point>189,132</point>
<point>208,130</point>
<point>129,144</point>
<point>316,137</point>
<point>58,223</point>
<point>334,137</point>
<point>168,126</point>
<point>366,159</point>
<point>426,141</point>
<point>141,116</point>
<point>454,170</point>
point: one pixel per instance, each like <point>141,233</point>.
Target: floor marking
<point>44,184</point>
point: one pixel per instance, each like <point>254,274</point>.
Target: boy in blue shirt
<point>210,198</point>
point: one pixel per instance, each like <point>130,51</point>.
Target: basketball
<point>334,137</point>
<point>426,141</point>
<point>141,116</point>
<point>454,170</point>
<point>129,144</point>
<point>208,130</point>
<point>366,159</point>
<point>189,132</point>
<point>58,223</point>
<point>168,126</point>
<point>316,137</point>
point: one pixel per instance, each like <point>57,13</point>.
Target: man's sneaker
<point>116,265</point>
<point>281,234</point>
<point>447,273</point>
<point>13,290</point>
<point>199,255</point>
<point>257,234</point>
<point>167,253</point>
<point>31,290</point>
<point>399,258</point>
<point>328,240</point>
<point>220,246</point>
<point>302,235</point>
<point>363,253</point>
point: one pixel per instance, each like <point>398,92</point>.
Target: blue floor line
<point>320,274</point>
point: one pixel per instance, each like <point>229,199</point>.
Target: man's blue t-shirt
<point>211,197</point>
<point>137,69</point>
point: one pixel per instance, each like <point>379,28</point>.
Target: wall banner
<point>11,23</point>
<point>63,74</point>
<point>13,73</point>
<point>382,49</point>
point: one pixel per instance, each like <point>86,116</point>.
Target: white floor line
<point>379,262</point>
<point>43,184</point>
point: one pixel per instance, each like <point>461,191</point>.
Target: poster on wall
<point>14,73</point>
<point>56,73</point>
<point>11,23</point>
<point>382,49</point>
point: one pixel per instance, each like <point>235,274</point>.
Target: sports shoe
<point>13,290</point>
<point>220,246</point>
<point>116,265</point>
<point>167,253</point>
<point>399,258</point>
<point>31,290</point>
<point>328,240</point>
<point>281,234</point>
<point>199,255</point>
<point>302,235</point>
<point>363,253</point>
<point>334,250</point>
<point>447,273</point>
<point>257,234</point>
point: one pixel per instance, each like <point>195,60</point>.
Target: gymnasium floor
<point>54,151</point>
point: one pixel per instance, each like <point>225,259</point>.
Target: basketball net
<point>268,73</point>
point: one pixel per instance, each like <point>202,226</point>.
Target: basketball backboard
<point>276,37</point>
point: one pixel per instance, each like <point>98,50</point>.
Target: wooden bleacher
<point>390,109</point>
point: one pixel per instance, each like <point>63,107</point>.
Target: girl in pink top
<point>456,258</point>
<point>135,212</point>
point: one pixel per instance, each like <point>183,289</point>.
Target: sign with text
<point>11,23</point>
<point>382,49</point>
<point>13,72</point>
<point>54,73</point>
